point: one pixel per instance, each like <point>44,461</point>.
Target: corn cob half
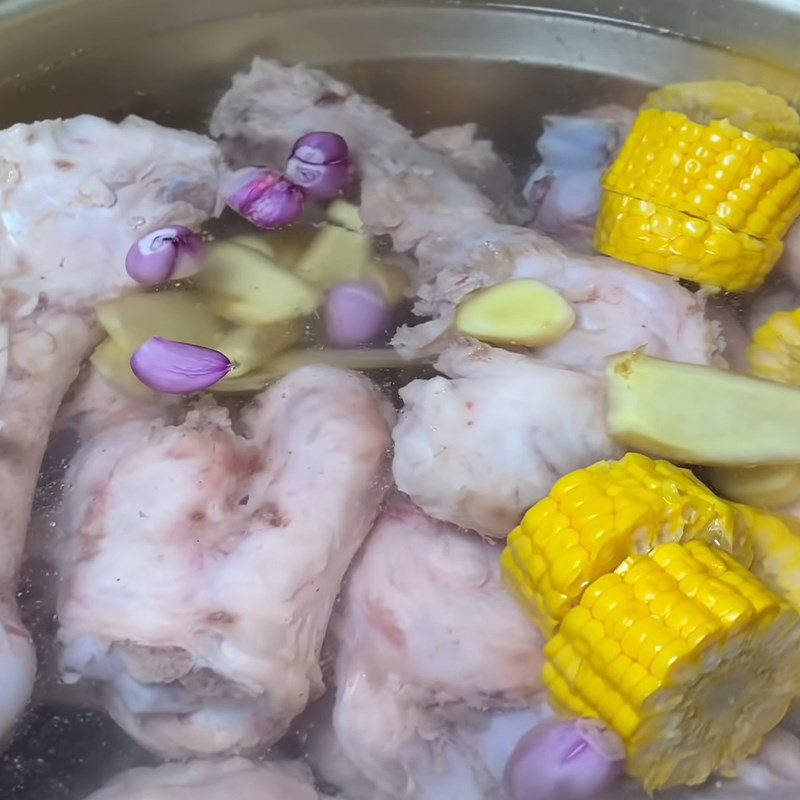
<point>750,108</point>
<point>594,518</point>
<point>666,240</point>
<point>685,654</point>
<point>715,172</point>
<point>706,185</point>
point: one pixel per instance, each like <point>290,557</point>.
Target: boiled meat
<point>74,195</point>
<point>201,565</point>
<point>414,194</point>
<point>437,668</point>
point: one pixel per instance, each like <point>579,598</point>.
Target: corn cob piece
<point>774,541</point>
<point>775,351</point>
<point>715,172</point>
<point>701,415</point>
<point>750,108</point>
<point>594,518</point>
<point>665,240</point>
<point>685,654</point>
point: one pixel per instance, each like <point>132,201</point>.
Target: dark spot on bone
<point>63,164</point>
<point>329,99</point>
<point>272,515</point>
<point>221,618</point>
<point>197,516</point>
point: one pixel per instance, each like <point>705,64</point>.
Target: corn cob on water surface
<point>775,351</point>
<point>705,186</point>
<point>669,614</point>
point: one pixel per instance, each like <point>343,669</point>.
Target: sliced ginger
<point>184,316</point>
<point>764,485</point>
<point>247,287</point>
<point>113,362</point>
<point>335,255</point>
<point>345,214</point>
<point>251,348</point>
<point>516,312</point>
<point>284,246</point>
<point>283,363</point>
<point>701,415</point>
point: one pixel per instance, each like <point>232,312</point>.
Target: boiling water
<point>64,748</point>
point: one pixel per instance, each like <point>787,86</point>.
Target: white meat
<point>73,196</point>
<point>428,642</point>
<point>212,780</point>
<point>201,565</point>
<point>414,195</point>
<point>575,150</point>
<point>479,447</point>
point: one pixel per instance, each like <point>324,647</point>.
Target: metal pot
<point>500,63</point>
<point>434,62</point>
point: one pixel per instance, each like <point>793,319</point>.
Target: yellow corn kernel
<point>675,696</point>
<point>699,250</point>
<point>551,558</point>
<point>749,108</point>
<point>775,542</point>
<point>522,311</point>
<point>749,186</point>
<point>775,351</point>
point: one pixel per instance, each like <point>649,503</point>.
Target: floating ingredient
<point>390,278</point>
<point>694,195</point>
<point>346,215</point>
<point>356,314</point>
<point>750,108</point>
<point>320,164</point>
<point>263,197</point>
<point>182,315</point>
<point>286,362</point>
<point>671,614</point>
<point>248,288</point>
<point>251,348</point>
<point>335,255</point>
<point>765,485</point>
<point>594,518</point>
<point>516,312</point>
<point>775,351</point>
<point>573,759</point>
<point>164,254</point>
<point>172,367</point>
<point>114,364</point>
<point>683,653</point>
<point>701,415</point>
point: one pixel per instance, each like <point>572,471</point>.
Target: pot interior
<point>502,67</point>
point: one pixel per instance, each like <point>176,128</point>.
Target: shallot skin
<point>320,164</point>
<point>178,367</point>
<point>264,198</point>
<point>563,760</point>
<point>164,254</point>
<point>356,314</point>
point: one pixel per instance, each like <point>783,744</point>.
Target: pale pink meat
<point>202,564</point>
<point>565,188</point>
<point>213,780</point>
<point>73,196</point>
<point>416,196</point>
<point>480,446</point>
<point>431,648</point>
